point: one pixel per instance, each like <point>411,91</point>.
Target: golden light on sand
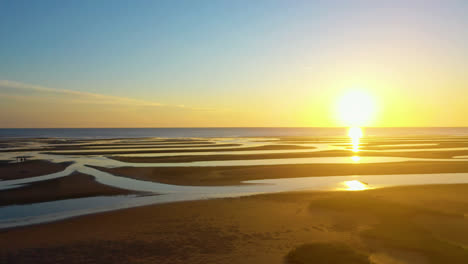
<point>355,133</point>
<point>356,159</point>
<point>355,185</point>
<point>356,108</point>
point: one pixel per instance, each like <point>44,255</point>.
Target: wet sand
<point>110,151</point>
<point>421,224</point>
<point>76,185</point>
<point>225,175</point>
<point>68,149</point>
<point>417,224</point>
<point>442,154</point>
<point>31,168</point>
<point>435,146</point>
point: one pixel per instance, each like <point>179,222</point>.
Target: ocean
<point>222,132</point>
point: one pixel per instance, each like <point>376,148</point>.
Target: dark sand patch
<point>233,175</point>
<point>82,149</point>
<point>140,142</point>
<point>424,224</point>
<point>30,168</point>
<point>326,253</point>
<point>436,146</point>
<point>400,225</point>
<point>156,144</point>
<point>433,154</point>
<point>401,143</point>
<point>121,140</point>
<point>107,152</point>
<point>442,154</point>
<point>76,185</point>
<point>142,146</point>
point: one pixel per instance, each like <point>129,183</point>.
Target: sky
<point>237,63</point>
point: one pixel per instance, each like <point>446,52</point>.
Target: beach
<point>235,200</point>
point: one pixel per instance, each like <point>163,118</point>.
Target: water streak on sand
<point>18,215</point>
<point>49,211</point>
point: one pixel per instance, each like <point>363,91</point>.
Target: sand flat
<point>396,224</point>
<point>417,224</point>
<point>30,168</point>
<point>436,154</point>
<point>233,147</point>
<point>76,185</point>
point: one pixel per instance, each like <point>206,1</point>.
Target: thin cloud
<point>83,97</point>
<point>78,96</point>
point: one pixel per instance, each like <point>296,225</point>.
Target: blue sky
<point>107,46</point>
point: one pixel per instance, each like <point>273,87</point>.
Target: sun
<point>356,108</point>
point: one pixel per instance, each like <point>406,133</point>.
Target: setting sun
<point>356,108</point>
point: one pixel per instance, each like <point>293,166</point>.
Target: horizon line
<point>231,127</point>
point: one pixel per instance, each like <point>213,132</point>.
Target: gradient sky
<point>230,63</point>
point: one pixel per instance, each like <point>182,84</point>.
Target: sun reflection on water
<point>355,133</point>
<point>355,185</point>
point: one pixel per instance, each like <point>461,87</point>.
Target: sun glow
<point>356,108</point>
